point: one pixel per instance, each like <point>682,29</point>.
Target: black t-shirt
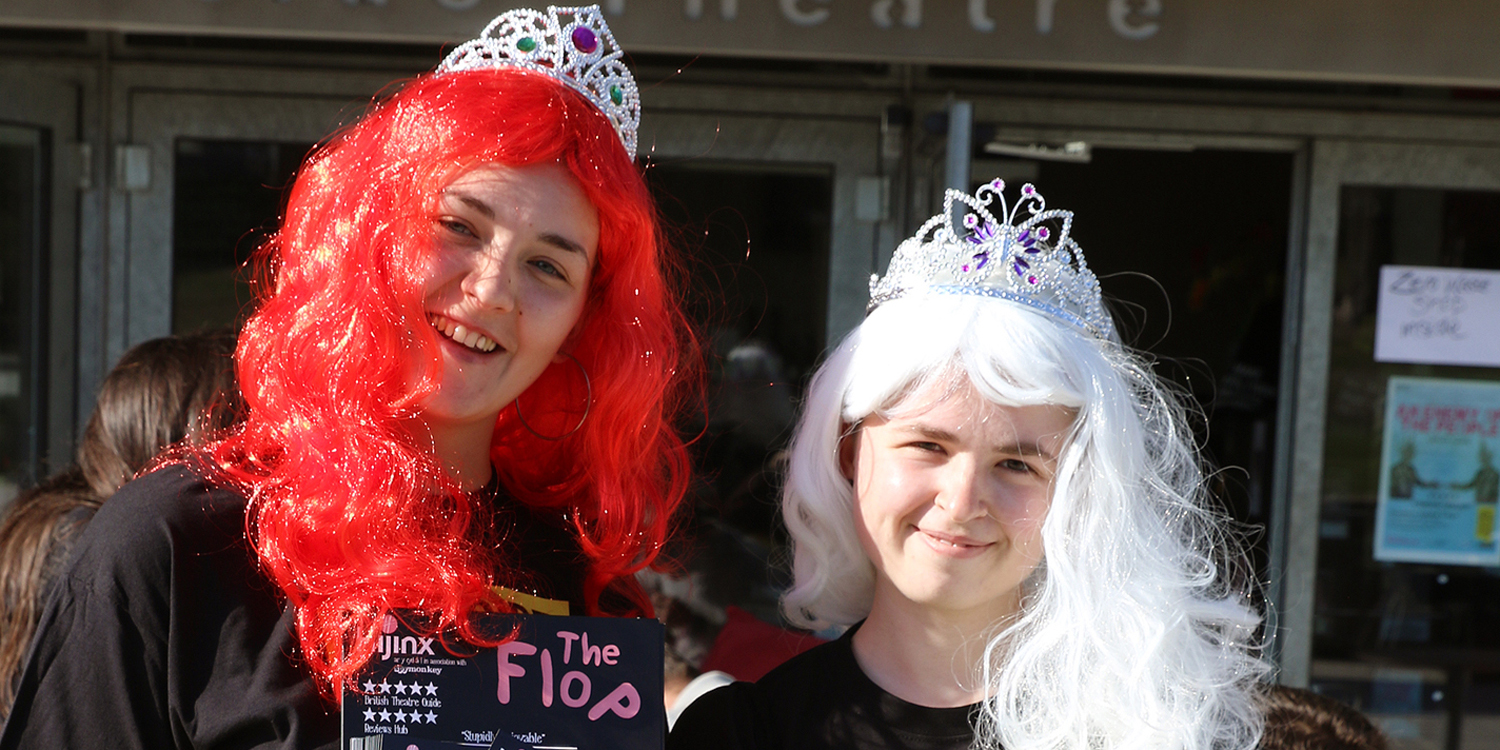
<point>818,699</point>
<point>163,632</point>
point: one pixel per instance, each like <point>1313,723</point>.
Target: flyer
<point>562,683</point>
<point>1438,478</point>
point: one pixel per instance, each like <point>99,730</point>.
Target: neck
<point>923,655</point>
<point>462,449</point>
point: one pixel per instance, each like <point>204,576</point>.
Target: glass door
<point>23,172</point>
<point>1404,582</point>
<point>766,212</point>
<point>46,178</point>
<point>203,177</point>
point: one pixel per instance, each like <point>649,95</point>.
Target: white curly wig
<point>1136,630</point>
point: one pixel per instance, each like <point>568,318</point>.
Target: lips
<point>953,544</point>
<point>459,334</point>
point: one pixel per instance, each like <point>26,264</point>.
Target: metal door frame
<point>1334,164</point>
<point>59,99</point>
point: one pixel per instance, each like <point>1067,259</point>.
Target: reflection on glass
<point>757,240</point>
<point>1190,249</point>
<point>227,199</point>
<point>1413,644</point>
<point>20,316</point>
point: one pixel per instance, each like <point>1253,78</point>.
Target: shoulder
<point>764,714</point>
<point>144,536</point>
<point>810,670</point>
<point>724,718</point>
<point>172,502</point>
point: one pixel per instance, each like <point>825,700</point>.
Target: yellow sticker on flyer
<point>532,604</point>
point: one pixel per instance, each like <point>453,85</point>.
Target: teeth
<point>457,332</point>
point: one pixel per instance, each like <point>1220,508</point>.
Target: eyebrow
<point>551,238</point>
<point>563,243</point>
<point>937,434</point>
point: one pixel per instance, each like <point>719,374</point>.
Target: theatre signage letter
<point>1441,43</point>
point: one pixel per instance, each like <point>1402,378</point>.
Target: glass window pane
<point>757,239</point>
<point>1190,248</point>
<point>1414,644</point>
<point>21,175</point>
<point>227,200</point>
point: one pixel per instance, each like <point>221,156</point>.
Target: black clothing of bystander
<point>163,632</point>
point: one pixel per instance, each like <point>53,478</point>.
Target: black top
<point>163,633</point>
<point>818,699</point>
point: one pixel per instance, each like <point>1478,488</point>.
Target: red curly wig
<point>349,516</point>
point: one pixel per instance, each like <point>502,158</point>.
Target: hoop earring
<point>588,402</point>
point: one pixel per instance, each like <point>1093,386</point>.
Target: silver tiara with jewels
<point>1021,253</point>
<point>572,45</point>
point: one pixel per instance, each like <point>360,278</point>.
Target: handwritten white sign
<point>1441,316</point>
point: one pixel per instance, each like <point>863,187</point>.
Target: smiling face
<point>509,275</point>
<point>949,499</point>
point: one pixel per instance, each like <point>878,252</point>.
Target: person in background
<point>162,392</point>
<point>1005,507</point>
<point>460,381</point>
<point>1303,720</point>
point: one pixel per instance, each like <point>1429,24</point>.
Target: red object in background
<point>748,648</point>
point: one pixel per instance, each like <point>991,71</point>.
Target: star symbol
<point>369,714</point>
<point>369,686</point>
<point>431,689</point>
<point>385,687</point>
<point>385,715</point>
<point>431,718</point>
<point>401,716</point>
<point>401,688</point>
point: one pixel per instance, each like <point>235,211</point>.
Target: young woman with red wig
<point>459,385</point>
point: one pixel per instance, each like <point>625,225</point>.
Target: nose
<point>963,492</point>
<point>489,279</point>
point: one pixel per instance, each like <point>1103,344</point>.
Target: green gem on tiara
<point>571,45</point>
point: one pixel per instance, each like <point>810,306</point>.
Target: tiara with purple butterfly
<point>1020,252</point>
<point>573,45</point>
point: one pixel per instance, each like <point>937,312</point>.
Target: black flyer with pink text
<point>563,683</point>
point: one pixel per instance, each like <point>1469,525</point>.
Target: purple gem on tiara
<point>983,258</point>
<point>997,184</point>
<point>1028,189</point>
<point>971,221</point>
<point>1019,265</point>
<point>1031,279</point>
<point>982,234</point>
<point>1043,233</point>
<point>585,39</point>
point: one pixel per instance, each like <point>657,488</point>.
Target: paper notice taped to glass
<point>1441,316</point>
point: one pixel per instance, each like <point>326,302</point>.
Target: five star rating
<point>400,715</point>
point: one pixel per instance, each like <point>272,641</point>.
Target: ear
<point>848,450</point>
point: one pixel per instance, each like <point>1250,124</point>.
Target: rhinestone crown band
<point>1021,253</point>
<point>572,45</point>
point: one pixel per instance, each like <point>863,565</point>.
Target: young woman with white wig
<point>1007,508</point>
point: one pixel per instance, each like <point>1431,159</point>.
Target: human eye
<point>549,268</point>
<point>925,446</point>
<point>1018,466</point>
<point>456,226</point>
